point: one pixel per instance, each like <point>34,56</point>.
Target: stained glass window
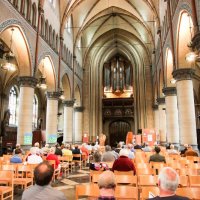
<point>13,96</point>
<point>35,111</point>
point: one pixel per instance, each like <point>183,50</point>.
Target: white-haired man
<point>168,181</point>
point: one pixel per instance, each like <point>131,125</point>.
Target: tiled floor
<point>67,185</point>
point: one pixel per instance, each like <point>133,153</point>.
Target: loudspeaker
<point>139,131</point>
<point>198,138</point>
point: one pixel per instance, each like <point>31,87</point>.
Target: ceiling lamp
<point>173,81</point>
<point>191,57</point>
<point>8,58</point>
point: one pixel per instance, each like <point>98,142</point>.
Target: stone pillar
<point>156,121</point>
<point>51,117</point>
<point>172,124</point>
<point>186,110</point>
<point>156,116</point>
<point>68,121</point>
<point>25,112</point>
<point>78,132</point>
<point>162,120</point>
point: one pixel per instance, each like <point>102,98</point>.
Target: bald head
<point>168,179</point>
<point>107,180</point>
<point>43,173</point>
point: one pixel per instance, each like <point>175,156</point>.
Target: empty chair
<point>146,180</point>
<point>194,181</point>
<point>126,179</point>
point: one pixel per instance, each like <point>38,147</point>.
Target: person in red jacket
<point>123,163</point>
<point>53,156</point>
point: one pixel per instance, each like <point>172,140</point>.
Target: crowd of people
<point>122,158</point>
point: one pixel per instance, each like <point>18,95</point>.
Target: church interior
<point>74,70</point>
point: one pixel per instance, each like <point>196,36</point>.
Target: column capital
<point>183,74</point>
<point>69,103</point>
<point>27,81</point>
<point>79,109</point>
<point>155,107</point>
<point>169,91</point>
<point>53,95</point>
<point>161,100</point>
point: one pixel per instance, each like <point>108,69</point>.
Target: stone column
<point>51,117</point>
<point>68,121</point>
<point>162,120</point>
<point>156,120</point>
<point>186,110</point>
<point>25,112</point>
<point>171,115</point>
<point>78,132</point>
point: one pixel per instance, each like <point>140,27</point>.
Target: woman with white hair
<point>33,158</point>
<point>124,163</point>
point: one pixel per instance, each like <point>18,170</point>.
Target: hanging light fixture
<point>42,80</point>
<point>7,63</point>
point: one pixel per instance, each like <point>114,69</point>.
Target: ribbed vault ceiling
<point>122,25</point>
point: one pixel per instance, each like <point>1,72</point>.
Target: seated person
<point>66,150</point>
<point>157,157</point>
<point>42,189</point>
<point>107,185</point>
<point>168,181</point>
<point>124,163</point>
<point>172,151</point>
<point>191,152</point>
<point>53,156</point>
<point>16,158</point>
<point>97,164</point>
<point>76,150</point>
<point>33,158</point>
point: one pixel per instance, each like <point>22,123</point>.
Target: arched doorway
<point>118,131</point>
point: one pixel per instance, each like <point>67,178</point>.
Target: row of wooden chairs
<point>132,193</point>
<point>146,180</point>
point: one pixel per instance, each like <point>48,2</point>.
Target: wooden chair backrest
<point>126,179</point>
<point>144,171</point>
<point>147,180</point>
<point>146,190</point>
<point>194,181</point>
<point>123,172</point>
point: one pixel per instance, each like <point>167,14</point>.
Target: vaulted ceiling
<point>120,26</point>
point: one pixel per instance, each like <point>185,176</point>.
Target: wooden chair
<point>157,166</point>
<point>146,180</point>
<point>64,163</point>
<point>146,190</point>
<point>56,173</point>
<point>87,190</point>
<point>183,181</point>
<point>126,179</point>
<point>10,167</point>
<point>94,172</point>
<point>185,191</point>
<point>6,192</point>
<point>78,159</point>
<point>121,192</point>
<point>144,171</point>
<point>194,181</point>
<point>142,165</point>
<point>123,172</point>
<point>6,177</point>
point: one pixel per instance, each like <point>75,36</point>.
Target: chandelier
<point>7,59</point>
